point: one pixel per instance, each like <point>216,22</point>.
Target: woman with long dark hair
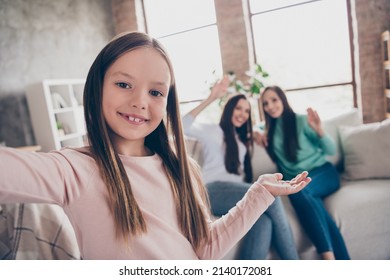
<point>298,142</point>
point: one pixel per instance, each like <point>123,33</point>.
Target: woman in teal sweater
<point>296,143</point>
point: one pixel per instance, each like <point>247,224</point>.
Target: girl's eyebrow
<point>127,75</point>
<point>120,73</point>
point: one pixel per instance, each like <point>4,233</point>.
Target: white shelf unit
<point>57,113</point>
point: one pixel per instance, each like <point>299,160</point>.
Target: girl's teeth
<point>134,119</point>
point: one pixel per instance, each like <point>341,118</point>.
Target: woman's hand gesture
<point>276,186</point>
<point>220,88</point>
<point>314,121</point>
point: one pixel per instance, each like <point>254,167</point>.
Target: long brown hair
<point>126,212</point>
<point>290,137</point>
<point>245,134</point>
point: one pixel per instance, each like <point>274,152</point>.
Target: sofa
<point>361,207</point>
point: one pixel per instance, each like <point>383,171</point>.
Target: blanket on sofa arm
<point>36,231</point>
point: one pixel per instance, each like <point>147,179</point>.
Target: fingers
<point>260,139</point>
<point>299,177</point>
<point>278,187</point>
<point>300,186</point>
<point>278,176</point>
<point>265,141</point>
<point>225,81</point>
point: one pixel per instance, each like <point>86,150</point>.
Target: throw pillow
<point>349,118</point>
<point>366,150</point>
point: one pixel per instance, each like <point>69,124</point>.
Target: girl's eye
<point>123,85</point>
<point>155,93</point>
<point>265,104</point>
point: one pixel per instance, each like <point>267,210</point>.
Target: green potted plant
<point>254,84</point>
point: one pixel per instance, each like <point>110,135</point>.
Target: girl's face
<point>272,104</point>
<point>241,113</point>
<point>135,94</point>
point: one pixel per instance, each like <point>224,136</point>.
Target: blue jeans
<point>315,219</point>
<point>271,228</point>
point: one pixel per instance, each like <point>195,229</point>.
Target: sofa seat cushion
<point>361,209</point>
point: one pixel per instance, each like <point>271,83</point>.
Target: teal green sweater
<point>312,149</point>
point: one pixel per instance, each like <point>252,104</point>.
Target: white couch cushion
<point>350,118</point>
<point>366,150</point>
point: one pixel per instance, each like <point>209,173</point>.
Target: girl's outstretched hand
<point>276,186</point>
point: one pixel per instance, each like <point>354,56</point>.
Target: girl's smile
<point>135,94</point>
<point>133,119</point>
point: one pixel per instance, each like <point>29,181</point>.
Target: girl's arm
<point>226,231</point>
<point>28,177</point>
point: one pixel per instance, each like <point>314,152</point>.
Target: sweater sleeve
<point>27,177</point>
<point>226,231</point>
<point>192,129</point>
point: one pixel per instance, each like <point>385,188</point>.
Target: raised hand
<point>276,186</point>
<point>220,88</point>
<point>314,121</point>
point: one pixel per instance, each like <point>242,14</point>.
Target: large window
<point>305,47</point>
<point>188,31</point>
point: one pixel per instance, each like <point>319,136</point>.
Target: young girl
<point>227,172</point>
<point>296,143</point>
<point>133,193</point>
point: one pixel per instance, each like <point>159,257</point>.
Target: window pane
<point>305,45</point>
<point>172,16</point>
<point>196,64</point>
<point>328,102</point>
<point>266,5</point>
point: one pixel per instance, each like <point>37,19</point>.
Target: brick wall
<point>372,18</point>
<point>127,15</point>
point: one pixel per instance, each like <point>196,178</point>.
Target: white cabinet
<point>57,113</point>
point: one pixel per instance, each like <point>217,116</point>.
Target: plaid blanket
<point>36,231</point>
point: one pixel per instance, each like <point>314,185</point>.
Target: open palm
<point>276,186</point>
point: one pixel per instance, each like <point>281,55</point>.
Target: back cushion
<point>350,118</point>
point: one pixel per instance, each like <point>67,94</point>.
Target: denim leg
<point>282,237</point>
<point>257,242</point>
<point>315,219</point>
<point>272,225</point>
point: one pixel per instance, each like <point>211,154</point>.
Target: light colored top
<point>312,149</point>
<point>70,178</point>
<point>212,139</point>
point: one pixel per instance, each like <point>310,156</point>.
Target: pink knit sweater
<point>70,178</point>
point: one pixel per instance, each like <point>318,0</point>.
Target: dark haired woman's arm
<point>218,91</point>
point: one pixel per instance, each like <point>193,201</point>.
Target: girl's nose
<point>138,100</point>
